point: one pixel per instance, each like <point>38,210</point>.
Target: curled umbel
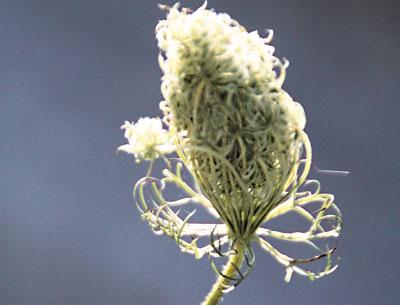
<point>238,131</point>
<point>241,152</point>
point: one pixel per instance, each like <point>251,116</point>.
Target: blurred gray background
<point>72,71</point>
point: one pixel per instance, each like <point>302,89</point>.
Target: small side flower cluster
<point>147,139</point>
<point>240,137</point>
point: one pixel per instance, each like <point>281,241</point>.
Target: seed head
<point>240,136</point>
<point>223,90</point>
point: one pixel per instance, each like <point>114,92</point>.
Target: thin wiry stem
<point>228,274</point>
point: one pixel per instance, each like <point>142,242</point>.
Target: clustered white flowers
<point>147,139</point>
<point>241,138</point>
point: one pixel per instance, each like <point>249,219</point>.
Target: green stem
<point>230,271</point>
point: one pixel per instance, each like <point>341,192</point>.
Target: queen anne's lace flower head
<point>241,137</point>
<point>223,87</point>
<point>147,139</point>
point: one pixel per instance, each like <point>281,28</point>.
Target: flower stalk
<point>229,272</point>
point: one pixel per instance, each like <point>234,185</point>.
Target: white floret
<point>147,140</point>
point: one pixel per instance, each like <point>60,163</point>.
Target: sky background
<point>71,72</point>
